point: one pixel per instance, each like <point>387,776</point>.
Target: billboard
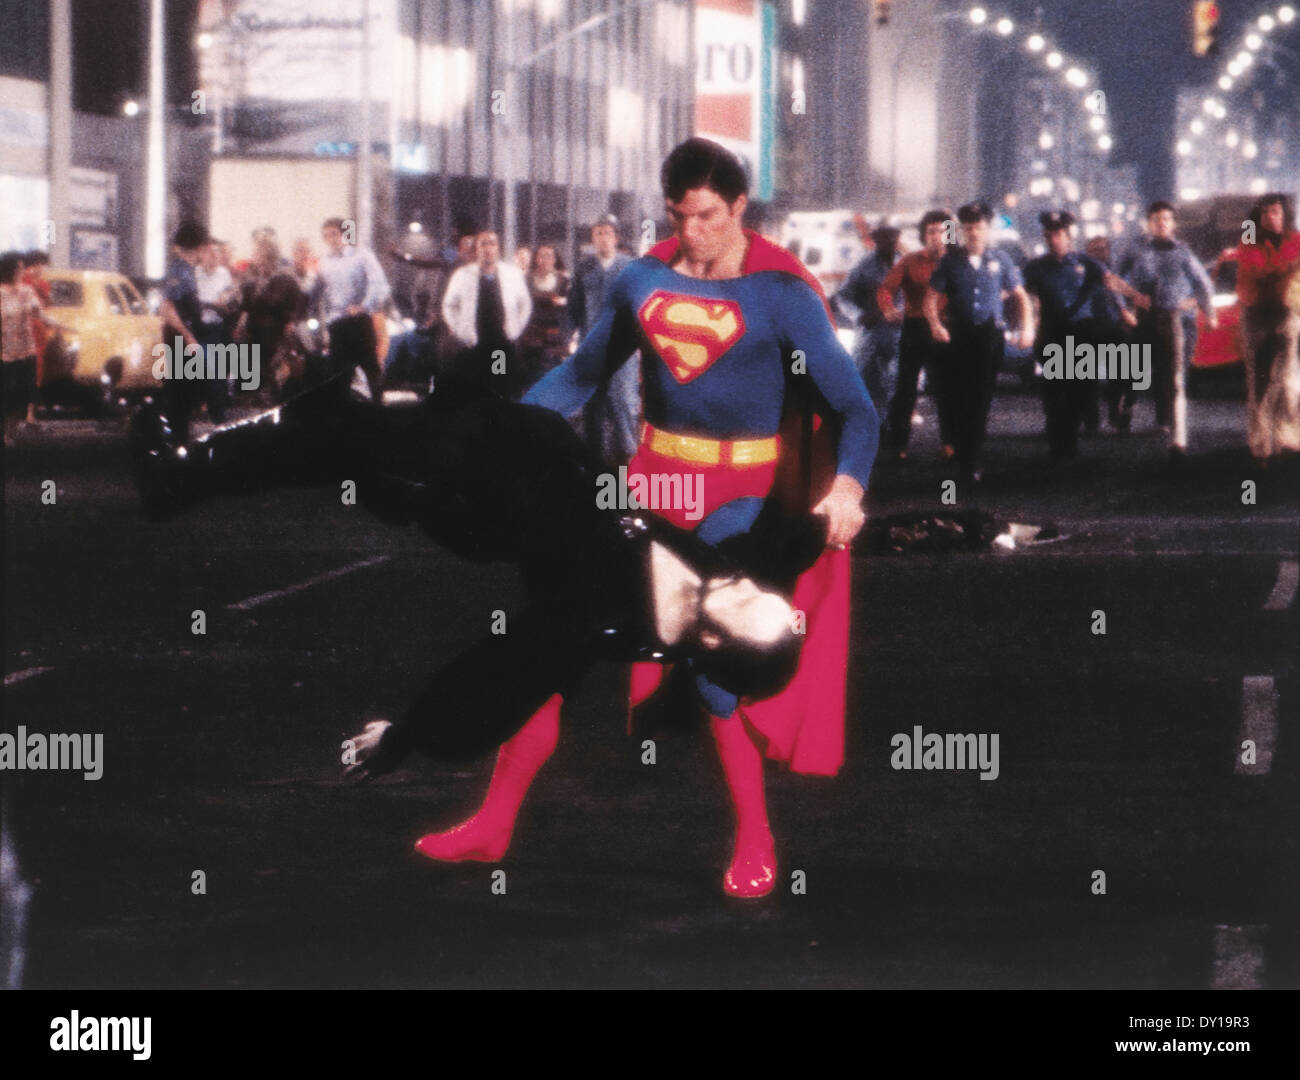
<point>734,80</point>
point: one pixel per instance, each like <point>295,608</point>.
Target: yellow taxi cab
<point>108,336</point>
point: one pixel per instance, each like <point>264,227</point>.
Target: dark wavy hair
<point>701,163</point>
<point>1272,198</point>
<point>10,261</point>
<point>931,217</point>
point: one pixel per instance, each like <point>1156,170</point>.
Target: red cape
<point>804,724</point>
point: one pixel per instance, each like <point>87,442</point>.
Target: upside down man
<point>733,333</point>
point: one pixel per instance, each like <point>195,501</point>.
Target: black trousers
<point>19,386</point>
<point>493,367</point>
<point>968,371</point>
<point>1165,332</point>
<point>1067,403</point>
<point>916,351</point>
<point>352,344</point>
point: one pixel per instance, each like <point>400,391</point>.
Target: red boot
<point>752,871</point>
<point>486,836</point>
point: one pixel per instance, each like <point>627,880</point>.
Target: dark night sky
<point>109,42</point>
<point>1142,52</point>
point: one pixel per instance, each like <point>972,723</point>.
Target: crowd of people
<point>473,316</point>
<point>942,309</point>
<point>939,310</point>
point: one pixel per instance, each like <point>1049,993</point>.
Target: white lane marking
<point>289,590</point>
<point>1258,723</point>
<point>1141,520</point>
<point>1238,957</point>
<point>1081,553</point>
<point>26,673</point>
<point>1284,589</point>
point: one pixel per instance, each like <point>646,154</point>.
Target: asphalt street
<point>1119,753</point>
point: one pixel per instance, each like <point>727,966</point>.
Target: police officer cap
<point>973,212</point>
<point>1055,220</point>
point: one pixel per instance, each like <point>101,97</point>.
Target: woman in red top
<point>1269,329</point>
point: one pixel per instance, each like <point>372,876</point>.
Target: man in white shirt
<point>486,307</point>
<point>216,288</point>
<point>350,288</point>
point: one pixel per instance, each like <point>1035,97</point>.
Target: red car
<point>1220,348</point>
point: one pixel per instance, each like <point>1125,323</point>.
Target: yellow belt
<point>701,451</point>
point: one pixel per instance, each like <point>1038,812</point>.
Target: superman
<point>744,387</point>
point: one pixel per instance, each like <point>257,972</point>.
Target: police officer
<point>181,312</point>
<point>876,352</point>
<point>976,279</point>
<point>1066,285</point>
<point>1114,324</point>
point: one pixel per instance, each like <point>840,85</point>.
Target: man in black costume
<point>495,481</point>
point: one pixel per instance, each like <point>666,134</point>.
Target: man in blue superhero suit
<point>732,330</point>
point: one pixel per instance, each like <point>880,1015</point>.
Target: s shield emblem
<point>690,333</point>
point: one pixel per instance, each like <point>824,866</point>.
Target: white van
<point>826,241</point>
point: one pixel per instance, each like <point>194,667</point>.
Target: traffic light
<point>1205,27</point>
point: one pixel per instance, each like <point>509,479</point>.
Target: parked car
<point>107,348</point>
<point>1221,348</point>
